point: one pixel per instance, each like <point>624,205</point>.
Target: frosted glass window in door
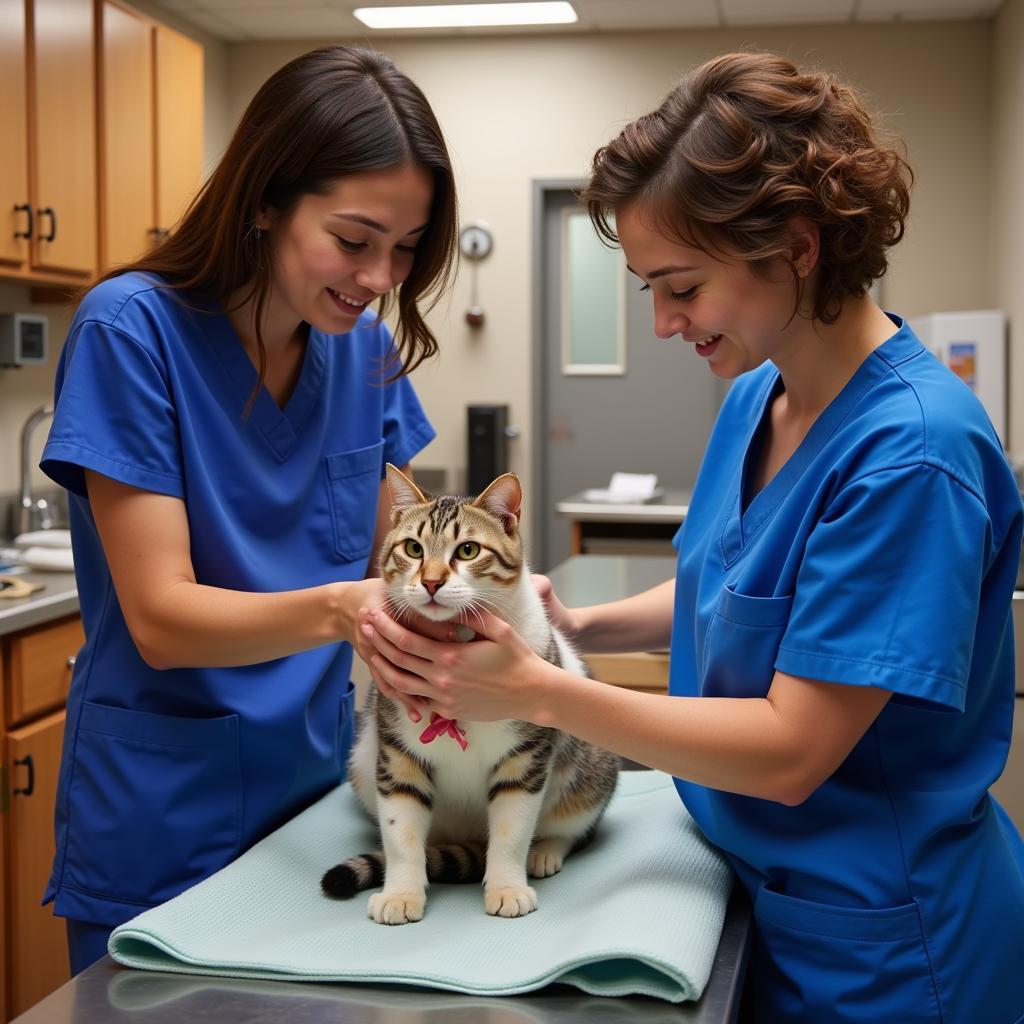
<point>593,300</point>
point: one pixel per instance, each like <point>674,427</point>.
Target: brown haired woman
<point>842,652</point>
<point>225,409</point>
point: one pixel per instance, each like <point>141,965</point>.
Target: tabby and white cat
<point>469,801</point>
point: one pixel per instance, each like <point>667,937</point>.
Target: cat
<point>467,801</point>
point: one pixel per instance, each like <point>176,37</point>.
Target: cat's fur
<point>520,797</point>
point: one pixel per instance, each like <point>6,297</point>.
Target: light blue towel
<point>639,912</point>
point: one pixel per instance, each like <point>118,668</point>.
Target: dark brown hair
<point>744,143</point>
<point>332,112</point>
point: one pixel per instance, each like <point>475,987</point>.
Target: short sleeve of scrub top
<point>890,575</point>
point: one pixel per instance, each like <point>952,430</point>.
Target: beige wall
<point>519,108</point>
<point>1007,261</point>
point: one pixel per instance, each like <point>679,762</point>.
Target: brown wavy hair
<point>332,112</point>
<point>744,143</point>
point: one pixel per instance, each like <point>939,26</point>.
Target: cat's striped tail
<point>451,862</point>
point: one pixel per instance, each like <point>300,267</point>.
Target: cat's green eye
<point>413,548</point>
<point>470,549</point>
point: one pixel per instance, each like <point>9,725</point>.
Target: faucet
<point>34,514</point>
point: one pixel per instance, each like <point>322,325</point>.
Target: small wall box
<point>23,339</point>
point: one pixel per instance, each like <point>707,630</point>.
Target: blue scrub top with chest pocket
<point>883,554</point>
<point>166,776</point>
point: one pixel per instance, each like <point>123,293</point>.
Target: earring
<point>259,232</point>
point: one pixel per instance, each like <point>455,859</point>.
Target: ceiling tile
<point>288,22</point>
<point>645,14</point>
<point>794,12</point>
<point>215,25</point>
<point>878,10</point>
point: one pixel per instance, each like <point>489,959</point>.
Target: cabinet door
<point>179,124</point>
<point>63,130</point>
<point>14,165</point>
<point>39,663</point>
<point>126,169</point>
<point>38,950</point>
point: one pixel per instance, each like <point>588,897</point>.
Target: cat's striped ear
<point>404,493</point>
<point>503,498</point>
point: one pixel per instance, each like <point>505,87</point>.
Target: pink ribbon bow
<point>440,726</point>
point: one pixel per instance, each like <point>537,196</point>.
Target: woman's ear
<point>804,240</point>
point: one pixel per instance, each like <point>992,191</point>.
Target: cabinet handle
<point>49,211</point>
<point>71,661</point>
<point>26,209</point>
<point>31,766</point>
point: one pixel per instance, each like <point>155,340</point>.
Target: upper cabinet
<point>102,128</point>
<point>179,124</point>
<point>151,154</point>
<point>62,135</point>
<point>15,212</point>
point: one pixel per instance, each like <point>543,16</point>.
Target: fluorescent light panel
<point>467,15</point>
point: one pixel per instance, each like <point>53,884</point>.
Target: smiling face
<point>734,318</point>
<point>336,253</point>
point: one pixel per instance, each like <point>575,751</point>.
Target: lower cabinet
<point>35,676</point>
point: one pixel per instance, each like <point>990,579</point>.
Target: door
<point>14,211</point>
<point>38,940</point>
<point>64,130</point>
<point>179,124</point>
<point>127,143</point>
<point>647,408</point>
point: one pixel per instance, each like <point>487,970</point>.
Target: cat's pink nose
<point>433,586</point>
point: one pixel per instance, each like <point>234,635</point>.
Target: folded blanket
<point>639,912</point>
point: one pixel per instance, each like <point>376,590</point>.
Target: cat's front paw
<point>397,907</point>
<point>543,862</point>
<point>511,901</point>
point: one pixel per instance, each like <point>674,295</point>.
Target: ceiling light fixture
<point>467,15</point>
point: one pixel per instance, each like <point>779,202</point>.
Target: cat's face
<point>449,555</point>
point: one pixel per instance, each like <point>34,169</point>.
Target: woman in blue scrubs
<point>842,661</point>
<point>225,408</point>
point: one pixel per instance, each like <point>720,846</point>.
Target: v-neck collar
<point>279,427</point>
<point>742,524</point>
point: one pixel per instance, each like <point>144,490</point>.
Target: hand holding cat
<point>468,681</point>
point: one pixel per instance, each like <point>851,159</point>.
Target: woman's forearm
<point>190,625</point>
<point>739,746</point>
<point>639,623</point>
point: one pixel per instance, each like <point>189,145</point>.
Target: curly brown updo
<point>744,143</point>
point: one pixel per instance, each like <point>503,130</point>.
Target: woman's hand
<point>365,597</point>
<point>562,618</point>
<point>490,678</point>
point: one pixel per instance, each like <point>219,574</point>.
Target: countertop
<point>59,597</point>
<point>672,507</point>
<point>107,993</point>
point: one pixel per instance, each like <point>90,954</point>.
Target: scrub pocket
<point>155,803</point>
<point>741,644</point>
<point>353,485</point>
<point>841,964</point>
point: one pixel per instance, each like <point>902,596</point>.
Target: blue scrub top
<point>884,554</point>
<point>167,776</point>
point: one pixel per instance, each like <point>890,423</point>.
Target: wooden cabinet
<point>179,123</point>
<point>62,135</point>
<point>34,680</point>
<point>151,153</point>
<point>102,122</point>
<point>14,209</point>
